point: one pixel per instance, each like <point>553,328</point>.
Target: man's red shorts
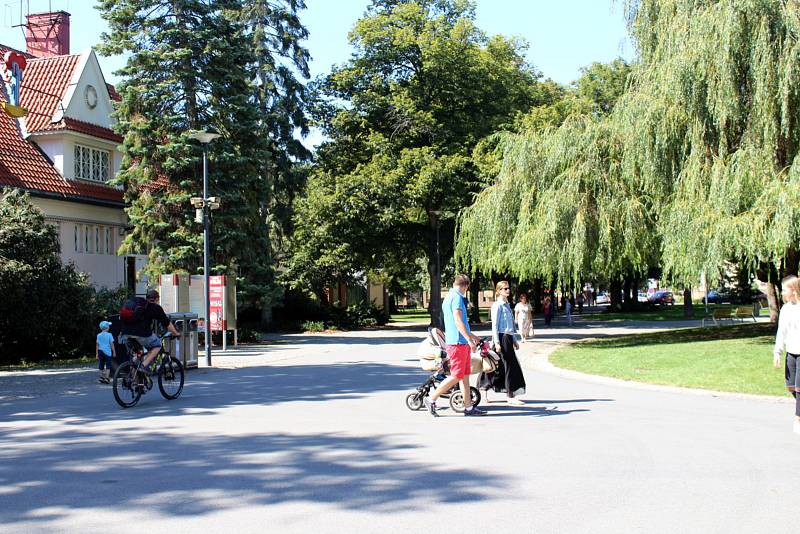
<point>459,356</point>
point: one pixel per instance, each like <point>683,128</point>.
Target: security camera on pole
<point>203,206</point>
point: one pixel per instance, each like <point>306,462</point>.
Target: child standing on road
<point>788,338</point>
<point>104,350</point>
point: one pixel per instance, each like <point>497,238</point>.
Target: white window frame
<point>92,164</point>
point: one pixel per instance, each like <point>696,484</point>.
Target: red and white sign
<point>216,296</point>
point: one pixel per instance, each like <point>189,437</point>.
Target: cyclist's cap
<point>104,325</point>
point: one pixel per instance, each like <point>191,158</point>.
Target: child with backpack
<point>104,351</point>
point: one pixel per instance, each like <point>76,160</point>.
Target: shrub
<point>313,326</point>
<point>47,309</point>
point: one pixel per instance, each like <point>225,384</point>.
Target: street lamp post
<point>206,204</point>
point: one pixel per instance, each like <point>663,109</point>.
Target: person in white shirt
<point>523,313</point>
<point>788,339</point>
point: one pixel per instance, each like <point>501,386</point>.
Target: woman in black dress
<point>508,377</point>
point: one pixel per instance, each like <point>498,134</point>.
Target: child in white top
<point>788,338</point>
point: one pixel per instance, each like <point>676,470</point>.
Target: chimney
<point>47,34</point>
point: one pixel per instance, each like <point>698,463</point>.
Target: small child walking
<point>104,350</point>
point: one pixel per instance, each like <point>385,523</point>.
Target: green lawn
<point>729,358</point>
<point>660,313</point>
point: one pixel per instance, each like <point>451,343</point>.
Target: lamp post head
<point>203,136</point>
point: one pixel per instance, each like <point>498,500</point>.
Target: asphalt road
<point>311,434</point>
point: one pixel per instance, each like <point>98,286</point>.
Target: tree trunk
<point>688,308</point>
<point>615,294</point>
<point>474,297</point>
<point>626,293</point>
<point>535,298</point>
<point>772,300</point>
<point>790,262</point>
<point>434,270</point>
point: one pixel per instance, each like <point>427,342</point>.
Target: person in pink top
<point>788,338</point>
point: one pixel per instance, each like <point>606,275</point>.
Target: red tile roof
<point>43,87</point>
<point>23,165</point>
<point>4,49</point>
<point>87,128</point>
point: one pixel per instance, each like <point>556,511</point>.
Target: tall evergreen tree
<point>205,65</point>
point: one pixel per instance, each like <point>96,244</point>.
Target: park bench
<point>729,314</point>
<point>743,312</point>
<point>717,316</point>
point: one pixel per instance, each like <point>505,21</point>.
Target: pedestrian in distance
<point>580,300</point>
<point>460,342</point>
<point>508,377</point>
<point>523,313</point>
<point>104,351</point>
<point>788,338</point>
<point>568,311</point>
<point>548,311</point>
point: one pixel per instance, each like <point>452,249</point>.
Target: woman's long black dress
<point>508,378</point>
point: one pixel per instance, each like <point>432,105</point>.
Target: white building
<point>64,152</point>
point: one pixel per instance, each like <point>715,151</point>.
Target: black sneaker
<point>474,411</point>
<point>431,406</point>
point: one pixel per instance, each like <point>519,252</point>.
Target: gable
<point>87,97</point>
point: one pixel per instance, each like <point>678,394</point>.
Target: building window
<point>91,164</point>
<point>86,241</point>
<point>77,239</point>
<point>108,240</point>
<point>97,240</point>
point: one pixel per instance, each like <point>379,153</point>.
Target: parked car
<point>642,296</point>
<point>602,298</point>
<point>661,297</point>
<point>717,297</point>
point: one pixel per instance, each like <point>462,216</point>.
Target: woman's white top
<point>502,320</point>
<point>788,336</point>
<point>523,309</point>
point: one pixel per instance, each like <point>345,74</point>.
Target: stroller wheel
<point>413,402</point>
<point>457,399</point>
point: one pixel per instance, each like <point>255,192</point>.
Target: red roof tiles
<point>22,164</point>
<point>43,87</point>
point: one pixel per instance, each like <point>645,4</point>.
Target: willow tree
<point>561,208</point>
<point>713,117</point>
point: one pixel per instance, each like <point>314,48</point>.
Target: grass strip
<point>727,358</point>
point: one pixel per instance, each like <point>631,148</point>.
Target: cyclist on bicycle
<point>142,329</point>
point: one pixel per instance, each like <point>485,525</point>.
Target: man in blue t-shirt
<point>460,344</point>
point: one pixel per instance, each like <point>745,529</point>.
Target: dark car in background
<point>661,297</point>
<point>718,297</point>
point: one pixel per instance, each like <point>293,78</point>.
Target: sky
<point>563,35</point>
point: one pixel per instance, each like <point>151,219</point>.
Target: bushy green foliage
<point>425,84</point>
<point>47,309</point>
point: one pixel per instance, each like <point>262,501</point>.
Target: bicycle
<point>130,383</point>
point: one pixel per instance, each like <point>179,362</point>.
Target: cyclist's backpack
<point>133,310</point>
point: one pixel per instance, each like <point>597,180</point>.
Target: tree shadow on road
<point>171,474</point>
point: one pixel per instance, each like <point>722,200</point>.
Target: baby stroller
<point>433,358</point>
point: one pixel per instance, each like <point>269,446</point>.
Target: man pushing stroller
<point>460,344</point>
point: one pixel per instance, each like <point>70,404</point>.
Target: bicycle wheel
<point>170,378</point>
<point>414,402</point>
<point>126,390</point>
